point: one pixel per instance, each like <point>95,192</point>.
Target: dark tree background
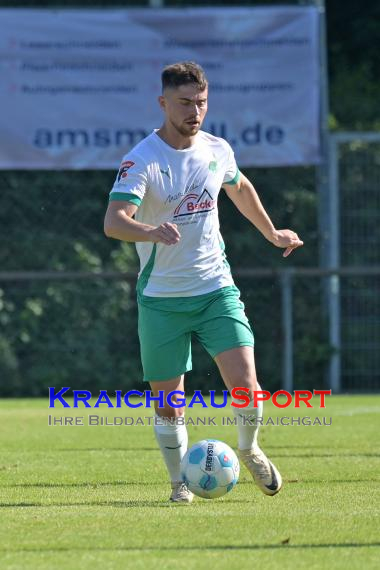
<point>83,333</point>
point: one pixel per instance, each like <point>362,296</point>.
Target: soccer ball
<point>210,469</point>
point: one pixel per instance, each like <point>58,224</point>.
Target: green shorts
<point>216,319</point>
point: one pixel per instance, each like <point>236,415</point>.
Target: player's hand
<point>166,233</point>
<point>288,240</point>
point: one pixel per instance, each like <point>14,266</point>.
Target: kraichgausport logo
<point>177,398</point>
<point>195,204</point>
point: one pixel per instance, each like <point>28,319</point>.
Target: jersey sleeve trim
<point>132,198</point>
<point>235,179</point>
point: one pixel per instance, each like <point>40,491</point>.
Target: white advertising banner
<point>78,88</point>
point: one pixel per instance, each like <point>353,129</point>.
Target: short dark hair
<point>183,73</point>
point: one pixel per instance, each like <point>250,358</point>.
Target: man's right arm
<point>119,224</point>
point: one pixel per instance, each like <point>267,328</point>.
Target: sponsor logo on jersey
<point>123,171</point>
<point>167,172</point>
<point>195,204</point>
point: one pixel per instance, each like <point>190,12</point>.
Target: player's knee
<point>169,412</point>
<point>244,377</point>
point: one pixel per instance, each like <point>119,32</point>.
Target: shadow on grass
<point>319,455</point>
<point>183,548</point>
<point>314,481</point>
<point>96,485</point>
<point>101,449</point>
<point>89,484</point>
<point>118,504</point>
<point>338,454</point>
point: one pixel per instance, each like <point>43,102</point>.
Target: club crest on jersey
<point>123,171</point>
<point>195,204</point>
<point>213,166</point>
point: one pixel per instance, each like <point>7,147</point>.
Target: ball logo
<point>210,457</point>
<point>195,204</point>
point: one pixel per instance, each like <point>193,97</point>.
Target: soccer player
<point>165,199</point>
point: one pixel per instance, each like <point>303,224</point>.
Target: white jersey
<point>181,187</point>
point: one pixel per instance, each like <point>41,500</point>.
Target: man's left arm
<point>245,198</point>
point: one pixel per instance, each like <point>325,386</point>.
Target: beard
<point>186,130</point>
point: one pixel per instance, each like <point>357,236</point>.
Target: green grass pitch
<point>96,497</point>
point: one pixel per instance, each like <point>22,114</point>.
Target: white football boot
<point>181,494</point>
<point>264,473</point>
